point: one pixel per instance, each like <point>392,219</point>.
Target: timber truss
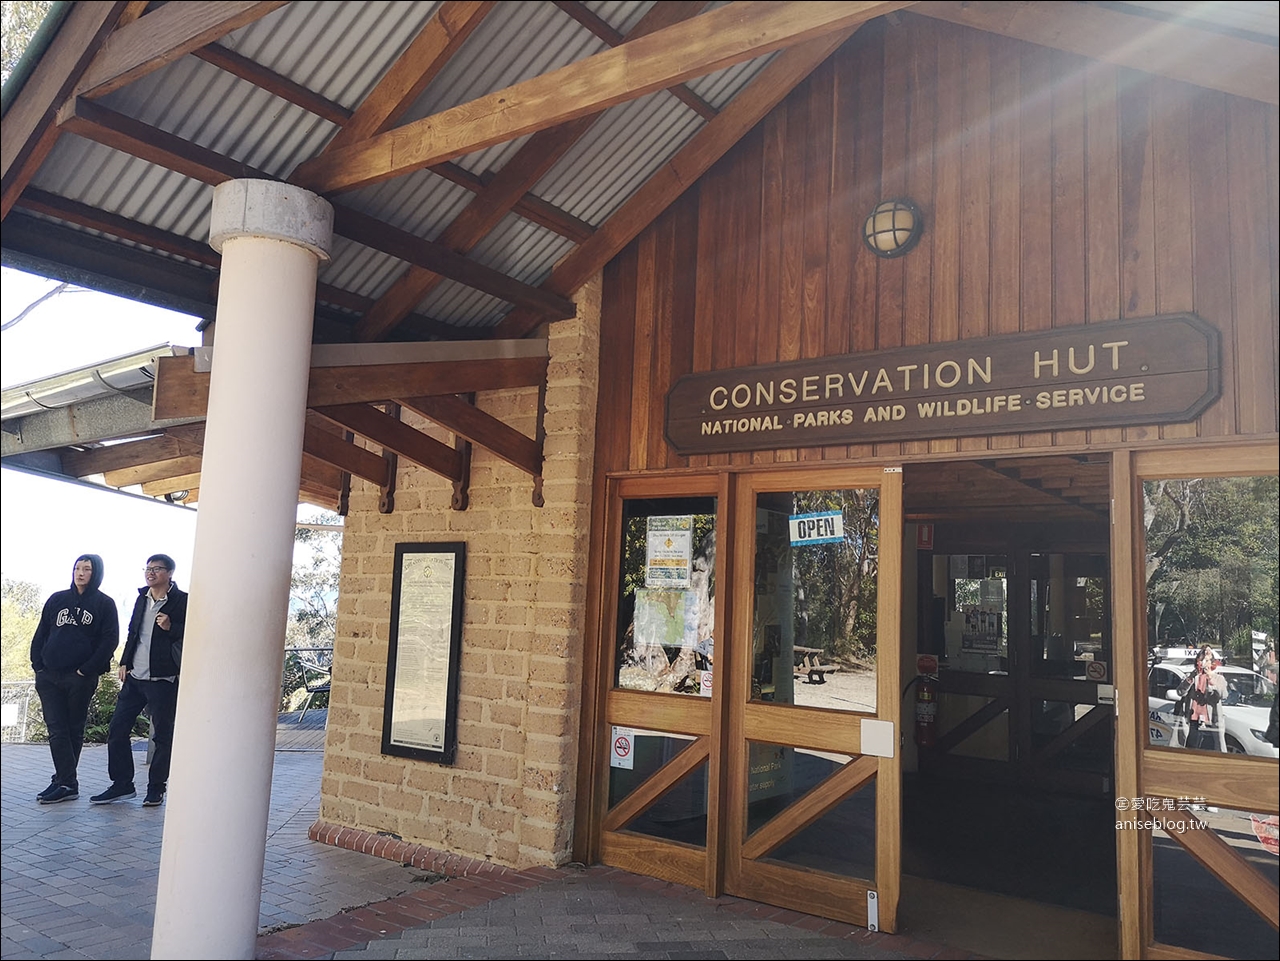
<point>484,161</point>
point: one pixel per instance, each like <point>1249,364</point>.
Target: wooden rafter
<point>438,40</point>
<point>159,38</point>
<point>455,414</point>
<point>500,195</point>
<point>95,122</point>
<point>83,215</point>
<point>275,83</point>
<point>334,450</point>
<point>153,471</point>
<point>670,12</point>
<point>175,442</point>
<point>679,173</point>
<point>1040,485</point>
<point>172,485</point>
<point>29,130</point>
<point>440,259</point>
<point>724,37</point>
<point>394,435</point>
<point>1181,52</point>
<point>183,392</point>
<point>475,221</point>
<point>71,211</point>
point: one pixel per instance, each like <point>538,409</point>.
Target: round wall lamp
<point>893,228</point>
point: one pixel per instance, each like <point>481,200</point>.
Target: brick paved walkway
<point>79,881</point>
<point>580,913</point>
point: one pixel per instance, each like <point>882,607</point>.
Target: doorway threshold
<point>999,926</point>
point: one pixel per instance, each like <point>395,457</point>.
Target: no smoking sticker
<point>622,749</point>
<point>1096,671</point>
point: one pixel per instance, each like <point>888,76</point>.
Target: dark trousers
<point>65,699</point>
<point>161,697</point>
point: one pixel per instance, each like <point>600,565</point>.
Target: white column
<point>271,237</point>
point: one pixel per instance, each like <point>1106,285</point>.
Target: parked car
<point>1246,710</point>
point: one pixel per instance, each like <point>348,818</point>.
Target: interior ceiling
<point>485,159</point>
<point>1058,487</point>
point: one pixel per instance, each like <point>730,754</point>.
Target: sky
<point>45,523</point>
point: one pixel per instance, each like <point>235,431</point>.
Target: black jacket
<point>77,632</point>
<point>166,646</point>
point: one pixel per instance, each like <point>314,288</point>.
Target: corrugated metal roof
<point>617,155</point>
<point>340,49</point>
<point>515,42</point>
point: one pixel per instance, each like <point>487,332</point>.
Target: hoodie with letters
<point>77,631</point>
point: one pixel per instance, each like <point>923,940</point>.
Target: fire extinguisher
<point>926,710</point>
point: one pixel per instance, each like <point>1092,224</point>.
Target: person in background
<point>71,648</point>
<point>149,671</point>
<point>1207,690</point>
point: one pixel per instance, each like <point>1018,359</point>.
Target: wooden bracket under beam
<point>461,498</point>
<point>387,492</point>
<point>484,430</point>
<point>541,440</point>
<point>389,432</point>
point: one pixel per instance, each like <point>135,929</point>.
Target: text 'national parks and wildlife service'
<point>1156,370</point>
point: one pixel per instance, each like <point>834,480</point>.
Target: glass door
<point>812,748</point>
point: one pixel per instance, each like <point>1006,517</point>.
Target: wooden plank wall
<point>1057,192</point>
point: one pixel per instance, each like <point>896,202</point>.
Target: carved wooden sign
<point>1155,370</point>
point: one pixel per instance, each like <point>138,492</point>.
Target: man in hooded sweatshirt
<point>72,647</point>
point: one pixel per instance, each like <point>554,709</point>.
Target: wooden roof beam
<point>95,122</point>
<point>438,40</point>
<point>176,442</point>
<point>466,420</point>
<point>477,219</point>
<point>333,450</point>
<point>29,130</point>
<point>724,37</point>
<point>501,194</point>
<point>83,215</point>
<point>171,485</point>
<point>679,173</point>
<point>1205,58</point>
<point>666,11</point>
<point>161,37</point>
<point>393,434</point>
<point>152,472</point>
<point>182,392</point>
<point>274,83</point>
<point>438,258</point>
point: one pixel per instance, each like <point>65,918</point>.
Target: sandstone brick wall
<point>508,796</point>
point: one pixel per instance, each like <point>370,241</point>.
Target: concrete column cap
<point>266,208</point>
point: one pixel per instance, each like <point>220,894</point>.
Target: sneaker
<point>154,798</point>
<point>117,792</point>
<point>60,792</point>
<point>53,786</point>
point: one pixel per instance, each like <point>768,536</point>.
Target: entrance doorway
<point>1008,797</point>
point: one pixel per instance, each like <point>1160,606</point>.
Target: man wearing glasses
<point>149,671</point>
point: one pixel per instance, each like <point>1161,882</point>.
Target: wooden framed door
<point>1196,565</point>
<point>655,805</point>
<point>812,794</point>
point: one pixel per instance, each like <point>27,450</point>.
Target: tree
<point>19,21</point>
<point>313,588</point>
<point>313,604</point>
<point>1212,569</point>
<point>21,614</point>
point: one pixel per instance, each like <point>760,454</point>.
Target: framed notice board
<point>420,719</point>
